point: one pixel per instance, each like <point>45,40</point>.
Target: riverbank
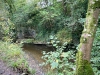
<point>14,61</point>
<point>33,63</point>
<point>6,70</point>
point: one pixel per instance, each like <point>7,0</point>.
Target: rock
<point>24,74</point>
<point>2,71</point>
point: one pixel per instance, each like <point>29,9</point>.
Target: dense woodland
<point>71,27</point>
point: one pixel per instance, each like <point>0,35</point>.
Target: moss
<point>83,40</point>
<point>95,4</point>
<point>91,24</point>
<point>83,66</point>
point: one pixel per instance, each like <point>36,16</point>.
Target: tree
<point>87,37</point>
<point>11,5</point>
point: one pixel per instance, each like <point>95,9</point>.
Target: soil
<point>6,70</point>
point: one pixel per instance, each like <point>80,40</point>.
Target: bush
<point>61,62</point>
<point>64,35</point>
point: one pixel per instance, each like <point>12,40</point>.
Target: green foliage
<point>5,23</point>
<point>7,30</point>
<point>61,62</point>
<point>95,4</point>
<point>64,35</point>
<point>4,29</point>
<point>10,5</point>
<point>48,20</point>
<point>95,57</point>
<point>20,16</point>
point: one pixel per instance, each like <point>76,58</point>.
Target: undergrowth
<point>95,54</point>
<point>13,55</point>
<point>61,63</point>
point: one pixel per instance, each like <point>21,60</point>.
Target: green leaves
<point>95,55</point>
<point>60,61</point>
<point>64,54</point>
<point>54,65</point>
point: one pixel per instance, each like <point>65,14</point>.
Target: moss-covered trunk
<point>86,41</point>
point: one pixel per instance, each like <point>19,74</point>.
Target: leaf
<point>54,45</point>
<point>64,54</point>
<point>51,37</point>
<point>57,41</point>
<point>54,65</point>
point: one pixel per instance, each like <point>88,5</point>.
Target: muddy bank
<point>5,70</point>
<point>33,54</point>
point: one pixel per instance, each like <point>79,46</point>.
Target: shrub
<point>64,35</point>
<point>61,62</point>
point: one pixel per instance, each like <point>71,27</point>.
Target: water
<point>35,52</point>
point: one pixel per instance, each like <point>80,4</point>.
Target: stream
<point>35,53</point>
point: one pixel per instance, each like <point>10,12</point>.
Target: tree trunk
<point>86,41</point>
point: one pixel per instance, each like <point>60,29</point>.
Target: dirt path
<point>5,70</point>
